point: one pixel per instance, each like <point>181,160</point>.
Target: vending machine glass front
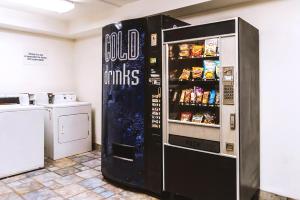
<point>193,81</point>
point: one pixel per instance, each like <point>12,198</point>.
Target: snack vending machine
<point>211,111</point>
<point>131,101</point>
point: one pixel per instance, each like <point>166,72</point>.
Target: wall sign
<point>35,58</point>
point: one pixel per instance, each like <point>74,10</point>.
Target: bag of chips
<point>197,72</point>
<point>173,75</point>
<point>209,69</point>
<point>211,47</point>
<point>217,102</point>
<point>182,96</point>
<point>186,116</point>
<point>209,118</point>
<point>184,47</point>
<point>187,96</point>
<point>185,75</point>
<point>205,97</point>
<point>174,99</point>
<point>184,50</point>
<point>197,51</point>
<point>193,97</point>
<point>198,118</point>
<point>212,97</point>
<point>199,94</point>
<point>218,66</point>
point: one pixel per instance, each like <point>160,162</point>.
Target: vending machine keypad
<point>228,86</point>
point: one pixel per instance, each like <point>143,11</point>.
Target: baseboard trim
<point>96,147</point>
<point>264,195</point>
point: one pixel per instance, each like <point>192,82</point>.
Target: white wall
<point>17,77</point>
<point>87,63</point>
<point>77,67</point>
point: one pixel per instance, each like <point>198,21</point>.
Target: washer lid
<point>18,107</point>
<point>68,104</point>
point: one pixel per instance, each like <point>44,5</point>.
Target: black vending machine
<point>132,101</point>
<point>211,117</point>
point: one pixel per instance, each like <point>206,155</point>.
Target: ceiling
<point>89,16</point>
<point>83,8</point>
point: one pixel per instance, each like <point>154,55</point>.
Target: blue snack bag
<point>212,97</point>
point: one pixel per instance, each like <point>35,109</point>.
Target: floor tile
<point>128,195</point>
<point>10,196</point>
<point>92,163</point>
<point>112,188</point>
<point>42,194</point>
<point>56,198</point>
<point>70,190</point>
<point>46,177</point>
<point>86,196</point>
<point>92,155</point>
<point>14,178</point>
<point>107,194</point>
<point>65,162</point>
<point>92,183</point>
<point>67,171</point>
<point>51,169</point>
<point>88,173</point>
<point>116,197</point>
<point>96,152</point>
<point>81,167</point>
<point>269,196</point>
<point>98,168</point>
<point>53,185</point>
<point>25,186</point>
<point>101,176</point>
<point>68,180</point>
<point>4,190</point>
<point>99,190</point>
<point>81,159</point>
<point>36,173</point>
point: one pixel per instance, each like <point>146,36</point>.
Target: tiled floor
<point>74,178</point>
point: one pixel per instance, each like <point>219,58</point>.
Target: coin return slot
<point>229,147</point>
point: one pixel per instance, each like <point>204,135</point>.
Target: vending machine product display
<point>211,111</point>
<point>132,101</point>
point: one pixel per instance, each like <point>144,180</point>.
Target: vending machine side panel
<point>249,110</point>
<point>153,100</point>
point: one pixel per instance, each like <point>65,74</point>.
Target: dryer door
<point>73,127</point>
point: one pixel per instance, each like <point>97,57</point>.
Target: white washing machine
<point>21,137</point>
<point>67,127</point>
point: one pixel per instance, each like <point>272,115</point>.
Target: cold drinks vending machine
<point>211,111</point>
<point>131,101</point>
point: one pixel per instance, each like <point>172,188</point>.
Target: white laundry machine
<point>67,127</point>
<point>21,137</point>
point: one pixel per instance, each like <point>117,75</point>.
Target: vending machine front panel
<point>211,95</point>
<point>194,93</point>
<point>123,58</point>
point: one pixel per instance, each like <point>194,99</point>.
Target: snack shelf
<point>189,62</point>
<point>194,123</point>
<point>198,105</point>
<point>185,82</point>
<point>193,58</point>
